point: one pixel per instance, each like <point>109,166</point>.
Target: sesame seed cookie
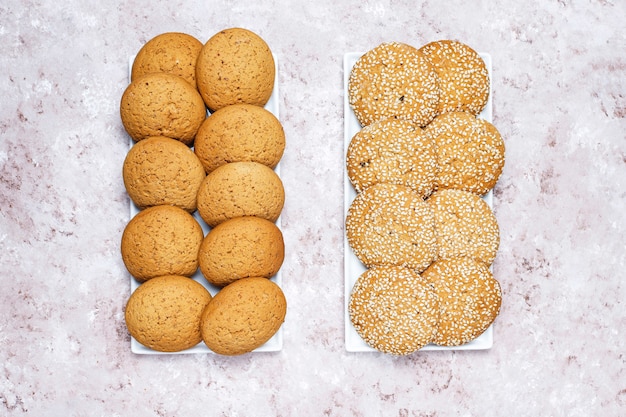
<point>389,224</point>
<point>393,80</point>
<point>392,151</point>
<point>164,313</point>
<point>469,299</point>
<point>235,66</point>
<point>161,240</point>
<point>243,316</point>
<point>463,76</point>
<point>470,152</point>
<point>160,170</point>
<point>160,104</point>
<point>465,225</point>
<point>241,247</point>
<point>171,52</point>
<point>394,310</point>
<point>240,132</point>
<point>240,189</point>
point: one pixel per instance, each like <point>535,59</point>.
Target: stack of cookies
<point>201,174</point>
<point>420,165</point>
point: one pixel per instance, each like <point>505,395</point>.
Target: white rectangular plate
<point>353,267</point>
<point>276,342</point>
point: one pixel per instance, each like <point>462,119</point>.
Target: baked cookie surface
<point>392,151</point>
<point>394,310</point>
<point>390,224</point>
<point>393,80</point>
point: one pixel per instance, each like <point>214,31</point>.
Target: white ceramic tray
<point>353,268</point>
<point>276,342</point>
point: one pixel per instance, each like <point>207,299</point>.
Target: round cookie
<point>393,80</point>
<point>470,152</point>
<point>160,170</point>
<point>394,310</point>
<point>164,313</point>
<point>392,151</point>
<point>161,240</point>
<point>235,66</point>
<point>469,299</point>
<point>240,132</point>
<point>172,53</point>
<point>243,316</point>
<point>463,76</point>
<point>390,224</point>
<point>240,189</point>
<point>241,247</point>
<point>160,104</point>
<point>465,225</point>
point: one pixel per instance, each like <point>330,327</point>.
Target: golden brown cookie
<point>393,80</point>
<point>462,73</point>
<point>243,316</point>
<point>160,104</point>
<point>240,189</point>
<point>160,170</point>
<point>240,132</point>
<point>392,151</point>
<point>172,53</point>
<point>161,240</point>
<point>465,225</point>
<point>164,313</point>
<point>235,66</point>
<point>390,224</point>
<point>470,152</point>
<point>469,299</point>
<point>241,247</point>
<point>394,310</point>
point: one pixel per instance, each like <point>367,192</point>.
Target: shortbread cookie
<point>160,170</point>
<point>240,132</point>
<point>243,316</point>
<point>463,76</point>
<point>469,299</point>
<point>393,80</point>
<point>465,225</point>
<point>159,104</point>
<point>470,152</point>
<point>164,313</point>
<point>239,248</point>
<point>240,189</point>
<point>390,224</point>
<point>161,240</point>
<point>392,151</point>
<point>172,53</point>
<point>394,310</point>
<point>235,66</point>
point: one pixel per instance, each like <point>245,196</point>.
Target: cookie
<point>390,224</point>
<point>469,299</point>
<point>172,53</point>
<point>243,316</point>
<point>241,247</point>
<point>470,152</point>
<point>394,310</point>
<point>235,66</point>
<point>161,240</point>
<point>463,76</point>
<point>160,104</point>
<point>239,133</point>
<point>160,170</point>
<point>393,80</point>
<point>164,313</point>
<point>392,151</point>
<point>240,189</point>
<point>465,225</point>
